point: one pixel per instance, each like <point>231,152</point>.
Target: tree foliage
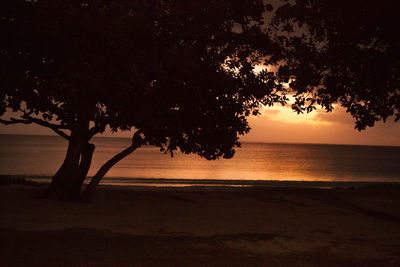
<point>342,51</point>
<point>178,72</point>
<point>153,65</point>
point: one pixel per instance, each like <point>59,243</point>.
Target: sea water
<point>42,155</point>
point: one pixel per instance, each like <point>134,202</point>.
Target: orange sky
<point>281,124</point>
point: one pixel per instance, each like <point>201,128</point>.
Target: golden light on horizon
<point>285,114</point>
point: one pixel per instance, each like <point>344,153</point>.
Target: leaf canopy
<point>345,52</point>
<point>179,71</point>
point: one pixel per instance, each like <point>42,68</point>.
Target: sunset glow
<point>168,133</point>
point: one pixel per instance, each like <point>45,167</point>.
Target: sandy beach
<point>202,226</point>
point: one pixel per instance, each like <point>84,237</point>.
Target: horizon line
<point>243,142</point>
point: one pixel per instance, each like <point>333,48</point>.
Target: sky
<point>282,125</point>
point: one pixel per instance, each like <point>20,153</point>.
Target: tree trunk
<point>137,142</point>
<point>83,169</point>
<point>67,182</point>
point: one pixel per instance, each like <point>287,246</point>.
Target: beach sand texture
<point>202,226</point>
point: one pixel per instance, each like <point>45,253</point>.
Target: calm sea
<point>42,155</point>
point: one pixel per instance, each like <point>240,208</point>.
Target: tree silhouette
<point>345,52</point>
<point>178,73</point>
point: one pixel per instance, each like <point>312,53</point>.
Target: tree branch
<point>137,141</point>
<point>30,120</point>
<point>46,124</point>
<point>95,130</point>
<point>14,121</point>
<point>27,116</point>
<point>51,126</point>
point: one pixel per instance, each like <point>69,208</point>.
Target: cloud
<point>335,127</point>
<point>338,115</point>
<point>271,111</point>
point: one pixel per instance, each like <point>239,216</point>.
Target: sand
<point>202,226</point>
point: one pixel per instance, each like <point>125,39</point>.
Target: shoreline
<point>166,182</point>
<point>203,226</point>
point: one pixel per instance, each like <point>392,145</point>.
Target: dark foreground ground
<point>202,226</point>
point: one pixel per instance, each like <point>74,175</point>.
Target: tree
<point>178,73</point>
<point>345,52</point>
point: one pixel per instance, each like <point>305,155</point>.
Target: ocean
<point>41,156</point>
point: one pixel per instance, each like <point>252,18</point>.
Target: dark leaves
<point>342,52</point>
<point>158,66</point>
